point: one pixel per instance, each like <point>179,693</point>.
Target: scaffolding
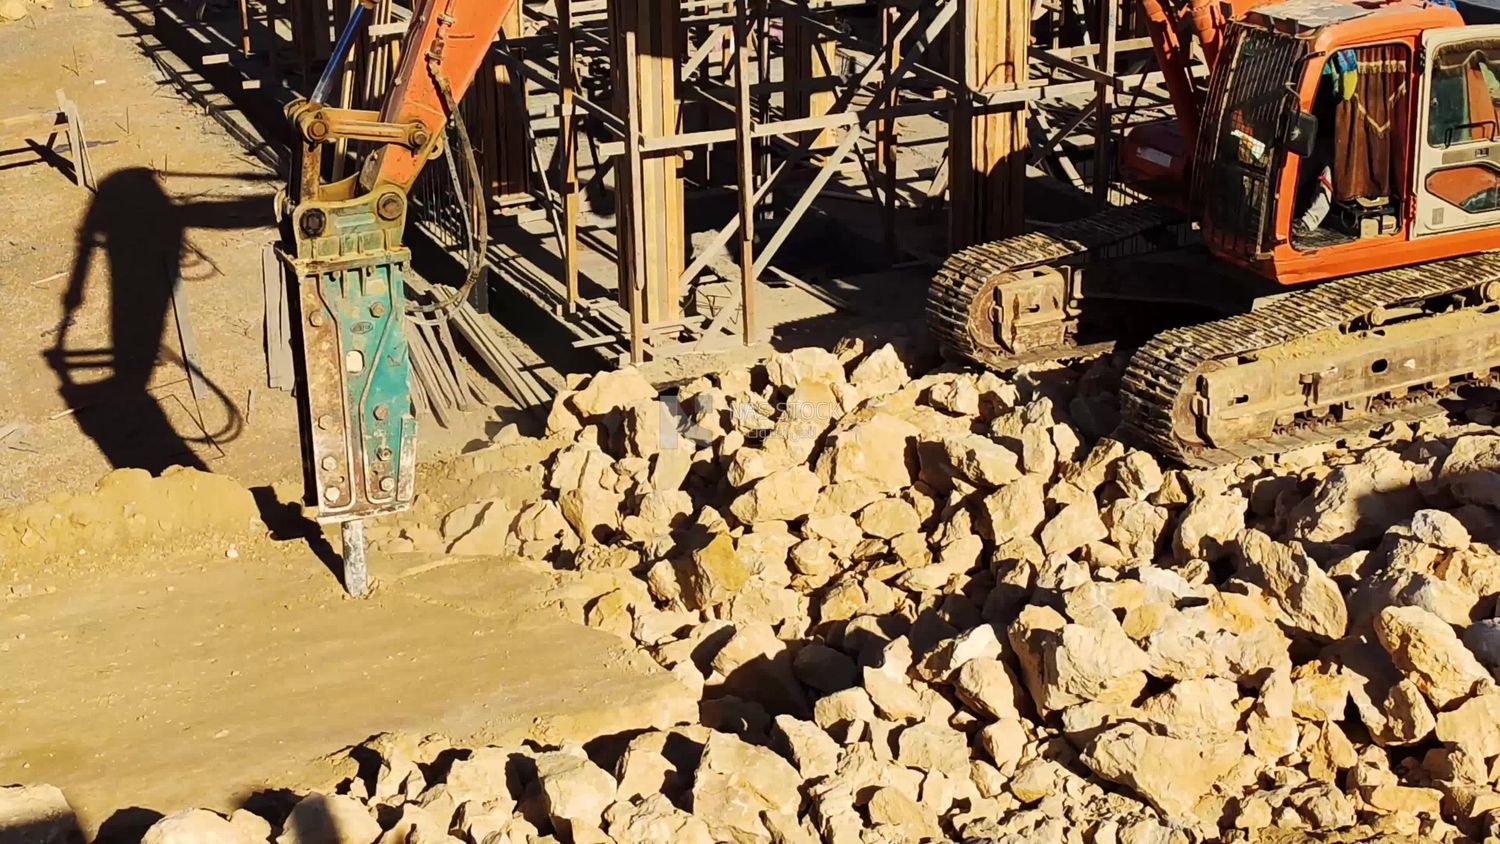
<point>680,105</point>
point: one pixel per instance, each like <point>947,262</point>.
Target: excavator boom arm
<point>446,44</point>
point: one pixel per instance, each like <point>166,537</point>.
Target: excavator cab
<point>1340,138</point>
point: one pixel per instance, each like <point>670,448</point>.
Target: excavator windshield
<point>1250,98</point>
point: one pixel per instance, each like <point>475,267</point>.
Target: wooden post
<point>886,148</point>
<point>568,148</point>
<point>987,144</point>
<point>630,218</point>
<point>651,219</point>
<point>503,152</point>
<point>807,71</point>
<point>744,167</point>
<point>1104,104</point>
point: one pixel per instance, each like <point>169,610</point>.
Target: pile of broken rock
<point>930,605</point>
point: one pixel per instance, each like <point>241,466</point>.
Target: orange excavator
<point>1316,257</point>
<point>342,244</point>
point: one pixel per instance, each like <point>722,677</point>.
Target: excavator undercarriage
<point>1230,368</point>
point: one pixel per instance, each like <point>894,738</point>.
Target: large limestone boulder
<point>575,791</point>
<point>1426,648</point>
<point>37,814</point>
<point>1357,502</point>
<point>877,453</point>
<point>329,819</point>
<point>738,782</point>
<point>1309,598</point>
<point>195,826</point>
<point>1066,664</point>
<point>1171,774</point>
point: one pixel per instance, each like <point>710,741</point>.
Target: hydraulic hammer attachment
<point>347,269</point>
<point>357,424</point>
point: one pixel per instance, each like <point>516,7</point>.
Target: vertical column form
<point>807,71</point>
<point>745,167</point>
<point>650,218</point>
<point>1104,104</point>
<point>503,154</point>
<point>889,130</point>
<point>987,144</point>
<point>568,147</point>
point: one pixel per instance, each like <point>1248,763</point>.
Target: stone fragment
<point>1358,501</point>
<point>417,823</point>
<point>1171,774</point>
<point>908,819</point>
<point>783,495</point>
<point>959,397</point>
<point>757,666</point>
<point>893,695</point>
<point>880,373</point>
<point>612,390</point>
<point>1310,599</point>
<point>1065,664</point>
<point>329,819</point>
<point>1074,526</point>
<point>929,746</point>
<point>37,814</point>
<point>575,791</point>
<point>968,459</point>
<point>1408,718</point>
<point>1426,648</point>
<point>1015,510</point>
<point>1483,639</point>
<point>480,776</point>
<point>1194,710</point>
<point>988,687</point>
<point>192,826</point>
<point>715,573</point>
<point>592,513</point>
<point>1474,726</point>
<point>1440,529</point>
<point>785,370</point>
<point>252,827</point>
<point>737,782</point>
<point>1135,527</point>
<point>1207,527</point>
<point>837,711</point>
<point>1137,475</point>
<point>655,820</point>
<point>1005,743</point>
<point>825,669</point>
<point>889,518</point>
<point>659,761</point>
<point>877,452</point>
<point>806,745</point>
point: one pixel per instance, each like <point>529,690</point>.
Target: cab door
<point>1457,170</point>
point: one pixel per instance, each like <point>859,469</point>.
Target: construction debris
<point>933,605</point>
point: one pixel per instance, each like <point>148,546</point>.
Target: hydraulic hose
<point>479,239</point>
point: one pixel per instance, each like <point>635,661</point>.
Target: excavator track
<point>978,282</point>
<point>1315,365</point>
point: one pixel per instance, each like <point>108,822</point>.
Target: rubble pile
<point>933,605</point>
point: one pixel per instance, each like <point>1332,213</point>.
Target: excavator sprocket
<point>1317,364</point>
<point>1003,303</point>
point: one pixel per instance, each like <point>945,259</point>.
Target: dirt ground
<point>209,680</point>
<point>91,356</point>
<point>148,669</point>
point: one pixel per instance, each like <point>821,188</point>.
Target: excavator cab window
<point>1465,90</point>
<point>1348,189</point>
